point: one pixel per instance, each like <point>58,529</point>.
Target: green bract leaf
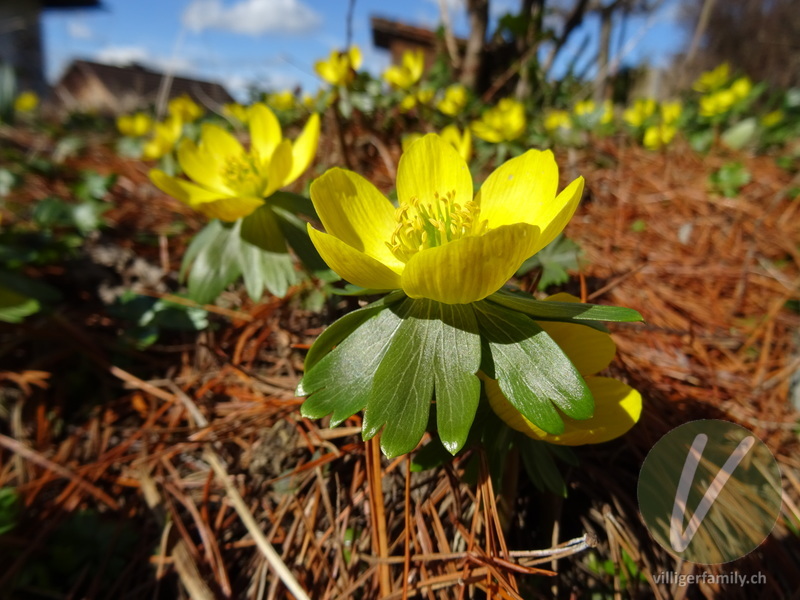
<point>260,228</point>
<point>564,311</point>
<point>341,328</point>
<point>14,307</point>
<point>213,256</point>
<point>436,347</point>
<point>555,260</point>
<point>532,371</point>
<point>341,382</point>
<point>263,269</point>
<point>540,466</point>
<point>296,234</point>
<point>741,134</point>
<point>293,203</point>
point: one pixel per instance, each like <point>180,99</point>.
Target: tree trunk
<point>603,55</point>
<point>535,11</point>
<point>478,11</point>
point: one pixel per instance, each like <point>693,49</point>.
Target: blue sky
<point>274,43</point>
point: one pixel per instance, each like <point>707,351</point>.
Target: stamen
<point>433,222</point>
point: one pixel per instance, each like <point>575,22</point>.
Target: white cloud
<point>251,17</point>
<point>126,55</point>
<point>79,30</point>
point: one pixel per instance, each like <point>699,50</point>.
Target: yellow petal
<point>353,210</point>
<point>183,190</point>
<point>485,132</point>
<point>202,166</point>
<point>355,57</point>
<point>517,190</point>
<point>304,148</point>
<point>471,268</point>
<point>220,142</point>
<point>229,209</point>
<point>432,165</point>
<point>353,265</point>
<point>279,167</point>
<point>617,408</point>
<point>588,349</point>
<point>553,216</point>
<point>265,130</point>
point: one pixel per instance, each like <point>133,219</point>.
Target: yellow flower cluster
<point>721,101</point>
<point>340,68</point>
<point>408,73</point>
<point>661,134</point>
<point>26,102</point>
<point>454,100</point>
<point>136,125</point>
<point>504,122</point>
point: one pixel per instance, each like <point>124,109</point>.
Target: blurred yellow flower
<point>671,112</point>
<point>136,125</point>
<point>642,109</point>
<point>617,406</point>
<point>441,243</point>
<point>462,142</point>
<point>717,103</point>
<point>772,119</point>
<point>165,135</point>
<point>608,112</point>
<point>185,109</point>
<point>741,88</point>
<point>340,67</point>
<point>454,100</point>
<point>423,97</point>
<point>585,107</point>
<point>235,111</point>
<point>406,74</point>
<point>557,119</point>
<point>657,136</point>
<point>503,122</point>
<point>284,100</point>
<point>26,102</point>
<point>713,80</point>
<point>228,182</point>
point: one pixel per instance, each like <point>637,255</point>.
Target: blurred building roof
<point>71,4</point>
<point>87,85</point>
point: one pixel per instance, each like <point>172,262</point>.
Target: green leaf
<point>343,327</point>
<point>741,134</point>
<point>260,228</point>
<point>293,203</point>
<point>92,185</point>
<point>555,259</point>
<point>14,307</point>
<point>296,233</point>
<point>214,258</point>
<point>564,311</point>
<point>430,456</point>
<point>262,269</point>
<point>44,292</point>
<point>532,371</point>
<point>456,361</point>
<point>540,466</point>
<point>402,388</point>
<point>341,382</point>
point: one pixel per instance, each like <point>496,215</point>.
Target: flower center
<point>429,223</point>
<point>243,174</point>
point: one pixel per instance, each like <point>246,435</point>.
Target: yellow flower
<point>284,100</point>
<point>454,100</point>
<point>641,110</point>
<point>557,119</point>
<point>235,111</point>
<point>741,88</point>
<point>230,182</point>
<point>185,109</point>
<point>608,113</point>
<point>713,80</point>
<point>671,112</point>
<point>717,103</point>
<point>657,136</point>
<point>504,122</point>
<point>461,142</point>
<point>617,406</point>
<point>441,243</point>
<point>165,135</point>
<point>772,119</point>
<point>406,74</point>
<point>423,97</point>
<point>26,102</point>
<point>135,125</point>
<point>585,107</point>
<point>340,67</point>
